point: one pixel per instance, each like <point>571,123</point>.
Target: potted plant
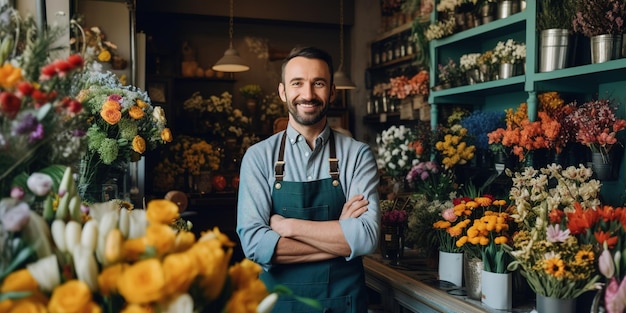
<point>554,22</point>
<point>603,22</point>
<point>510,54</point>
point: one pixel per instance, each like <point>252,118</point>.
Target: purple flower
<point>27,124</point>
<point>36,134</point>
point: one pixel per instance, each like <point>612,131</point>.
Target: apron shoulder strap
<point>279,167</point>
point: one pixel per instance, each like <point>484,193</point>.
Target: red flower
<point>10,104</point>
<point>25,88</point>
<point>555,216</point>
<point>581,219</point>
<point>75,60</point>
<point>602,237</point>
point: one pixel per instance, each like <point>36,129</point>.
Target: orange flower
<point>136,112</point>
<point>581,219</point>
<point>166,135</point>
<point>73,296</point>
<point>142,282</point>
<point>111,116</point>
<point>139,144</point>
<point>112,104</point>
<point>602,237</point>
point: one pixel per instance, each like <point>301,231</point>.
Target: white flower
<point>14,218</point>
<point>39,183</point>
<point>159,115</point>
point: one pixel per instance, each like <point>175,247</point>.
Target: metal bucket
<point>554,44</point>
<point>605,48</point>
<point>507,8</point>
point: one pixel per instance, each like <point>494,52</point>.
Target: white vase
<point>451,267</point>
<point>497,290</point>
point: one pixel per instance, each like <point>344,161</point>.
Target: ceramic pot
<point>451,267</point>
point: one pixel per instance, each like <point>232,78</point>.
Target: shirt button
<point>306,154</point>
<point>309,177</point>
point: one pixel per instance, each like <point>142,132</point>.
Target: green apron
<point>339,285</point>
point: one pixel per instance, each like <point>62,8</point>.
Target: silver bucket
<point>605,48</point>
<point>554,49</point>
<point>507,8</point>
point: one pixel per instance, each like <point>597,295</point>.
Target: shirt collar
<point>294,135</point>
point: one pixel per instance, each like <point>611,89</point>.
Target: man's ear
<point>333,93</point>
<point>281,92</point>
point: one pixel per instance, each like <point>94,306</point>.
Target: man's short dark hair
<point>310,53</point>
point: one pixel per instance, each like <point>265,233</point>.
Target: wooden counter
<point>413,287</point>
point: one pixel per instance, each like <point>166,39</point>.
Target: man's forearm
<point>326,236</point>
<point>293,251</point>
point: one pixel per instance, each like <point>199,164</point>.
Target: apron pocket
<point>316,213</point>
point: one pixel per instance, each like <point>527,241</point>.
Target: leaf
<point>22,256</point>
<point>14,295</point>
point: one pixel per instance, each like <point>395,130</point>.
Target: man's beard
<point>308,119</point>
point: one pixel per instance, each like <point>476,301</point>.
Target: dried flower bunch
<point>599,17</point>
<point>441,28</point>
<point>596,125</point>
<point>273,107</point>
<point>449,72</point>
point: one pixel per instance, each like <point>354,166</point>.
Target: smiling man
<point>308,201</point>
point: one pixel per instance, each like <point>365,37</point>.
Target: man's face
<point>307,90</point>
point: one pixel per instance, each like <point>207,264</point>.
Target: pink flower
<point>40,184</point>
<point>15,218</point>
<point>448,215</point>
<point>615,296</point>
<point>605,263</point>
<point>555,234</point>
<point>17,193</point>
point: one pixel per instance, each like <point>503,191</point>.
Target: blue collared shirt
<point>358,174</point>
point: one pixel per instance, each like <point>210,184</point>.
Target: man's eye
<point>295,84</point>
<point>320,84</point>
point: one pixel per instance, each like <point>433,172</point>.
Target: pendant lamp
<point>341,80</point>
<point>231,61</point>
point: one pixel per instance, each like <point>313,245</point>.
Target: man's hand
<point>276,225</point>
<point>356,206</point>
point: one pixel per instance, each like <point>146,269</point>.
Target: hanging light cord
<point>340,35</point>
<point>230,26</point>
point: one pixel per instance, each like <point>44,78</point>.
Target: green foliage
<point>555,14</point>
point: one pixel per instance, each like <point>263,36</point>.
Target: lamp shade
<point>342,81</point>
<point>231,62</point>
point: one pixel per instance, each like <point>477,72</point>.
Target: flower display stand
<point>451,267</point>
<point>497,290</point>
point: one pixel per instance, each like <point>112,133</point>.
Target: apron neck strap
<point>279,167</point>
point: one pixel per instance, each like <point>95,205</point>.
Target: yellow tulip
<point>107,280</point>
<point>161,237</point>
<point>180,270</point>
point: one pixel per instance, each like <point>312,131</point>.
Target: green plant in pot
<point>555,14</point>
<point>554,22</point>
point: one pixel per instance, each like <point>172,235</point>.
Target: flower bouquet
<point>449,74</point>
<point>251,91</point>
<point>607,231</point>
<point>510,51</point>
<point>489,232</point>
<point>596,125</point>
<point>555,262</point>
<point>110,257</point>
<point>272,107</point>
<point>426,178</point>
<point>454,148</point>
<point>479,124</point>
<point>402,86</point>
<point>123,125</point>
<point>186,156</point>
<point>397,150</point>
<point>520,135</point>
